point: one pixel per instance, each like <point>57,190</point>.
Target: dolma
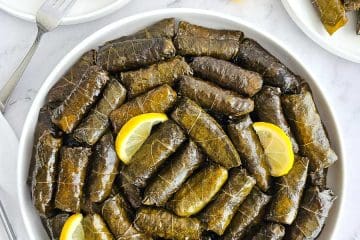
<point>164,28</point>
<point>159,222</point>
<point>318,178</point>
<point>207,133</point>
<point>96,123</point>
<point>195,40</point>
<point>43,125</point>
<point>62,88</point>
<point>218,214</point>
<point>248,144</point>
<point>198,190</point>
<point>45,172</point>
<point>352,5</point>
<point>227,75</point>
<point>115,212</point>
<point>173,175</point>
<point>131,192</point>
<point>313,212</point>
<point>270,231</point>
<point>289,188</point>
<point>153,153</point>
<point>268,109</point>
<point>105,167</point>
<point>71,178</point>
<point>86,205</point>
<point>218,100</point>
<point>131,54</point>
<point>332,14</point>
<point>70,112</point>
<point>247,215</point>
<point>159,99</point>
<point>254,57</point>
<point>144,79</point>
<point>95,228</point>
<point>55,224</point>
<point>305,122</point>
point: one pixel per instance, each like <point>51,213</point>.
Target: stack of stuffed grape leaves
<point>154,135</point>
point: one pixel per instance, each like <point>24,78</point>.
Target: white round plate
<point>82,11</point>
<point>344,43</point>
<point>134,23</point>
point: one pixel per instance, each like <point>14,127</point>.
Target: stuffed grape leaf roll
<point>104,169</point>
<point>198,190</point>
<point>254,57</point>
<point>44,125</point>
<point>196,40</point>
<point>159,100</point>
<point>268,109</point>
<point>131,54</point>
<point>308,129</point>
<point>164,28</point>
<point>153,153</point>
<point>207,133</point>
<point>159,222</point>
<point>115,212</point>
<point>69,114</point>
<point>289,188</point>
<point>62,88</point>
<point>55,224</point>
<point>332,14</point>
<point>144,79</point>
<point>318,178</point>
<point>227,75</point>
<point>211,97</point>
<point>314,209</point>
<point>95,228</point>
<point>352,5</point>
<point>71,178</point>
<point>247,215</point>
<point>248,144</point>
<point>270,231</point>
<point>218,214</point>
<point>45,172</point>
<point>86,205</point>
<point>96,123</point>
<point>173,175</point>
<point>131,192</point>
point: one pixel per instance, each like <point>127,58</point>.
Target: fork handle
<point>5,220</point>
<point>10,85</point>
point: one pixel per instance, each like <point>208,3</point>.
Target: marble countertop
<point>339,79</point>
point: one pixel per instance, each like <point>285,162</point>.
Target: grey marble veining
<point>339,79</point>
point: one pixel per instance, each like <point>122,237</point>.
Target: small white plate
<point>82,11</point>
<point>343,43</point>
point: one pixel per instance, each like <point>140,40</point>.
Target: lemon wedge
<point>277,147</point>
<point>72,229</point>
<point>134,133</point>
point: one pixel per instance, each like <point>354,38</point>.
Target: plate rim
<point>116,5</point>
<point>316,37</point>
<point>22,186</point>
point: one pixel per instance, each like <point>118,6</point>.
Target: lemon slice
<point>72,229</point>
<point>277,147</point>
<point>134,133</point>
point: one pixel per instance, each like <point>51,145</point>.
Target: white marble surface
<point>338,78</point>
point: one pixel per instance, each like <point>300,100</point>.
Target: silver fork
<point>48,17</point>
<point>5,220</point>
